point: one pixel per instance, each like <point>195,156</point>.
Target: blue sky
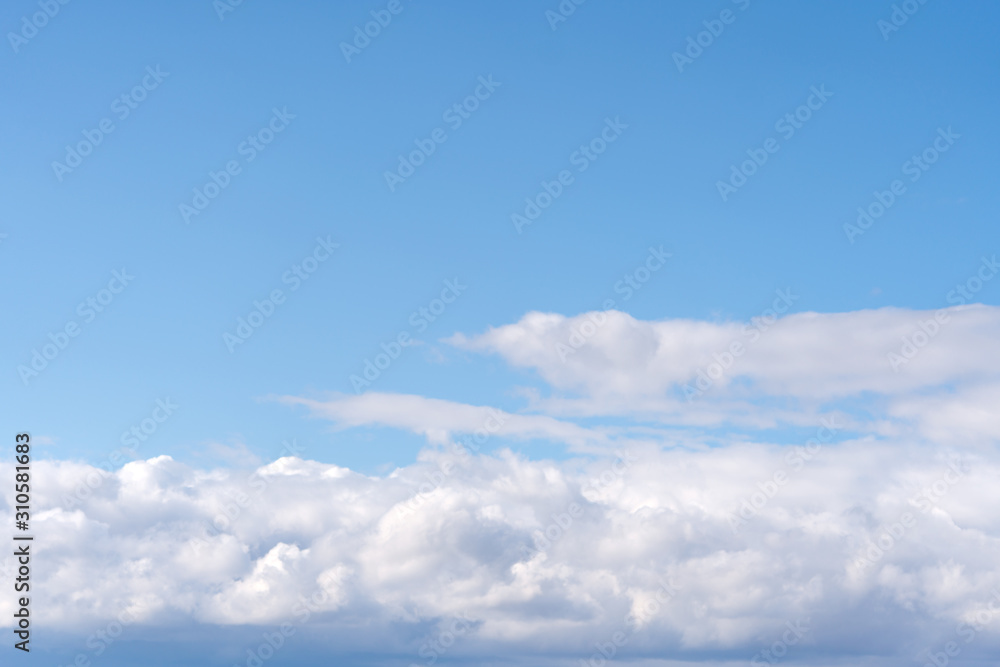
<point>323,175</point>
<point>238,154</point>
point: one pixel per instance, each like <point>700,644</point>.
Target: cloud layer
<point>887,363</point>
<point>684,552</point>
<point>806,355</point>
<point>879,530</point>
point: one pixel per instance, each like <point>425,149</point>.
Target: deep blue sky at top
<point>323,175</point>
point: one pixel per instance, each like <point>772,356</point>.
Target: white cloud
<point>879,371</point>
<point>967,415</point>
<point>805,355</point>
<point>496,539</point>
<point>883,530</point>
<point>440,420</point>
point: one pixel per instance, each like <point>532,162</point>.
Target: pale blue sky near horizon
<point>323,175</point>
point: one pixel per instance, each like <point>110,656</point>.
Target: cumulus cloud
<point>682,551</point>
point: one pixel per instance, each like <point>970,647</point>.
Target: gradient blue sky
<point>323,175</point>
<point>403,533</point>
